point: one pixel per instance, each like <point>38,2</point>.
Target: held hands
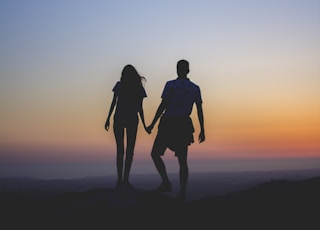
<point>149,128</point>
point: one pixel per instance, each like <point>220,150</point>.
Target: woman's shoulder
<point>116,86</point>
<point>143,91</point>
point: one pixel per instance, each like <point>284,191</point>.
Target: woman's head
<point>131,76</point>
<point>131,82</point>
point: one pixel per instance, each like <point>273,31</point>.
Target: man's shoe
<point>181,197</point>
<point>164,187</point>
<point>118,185</point>
<point>127,186</point>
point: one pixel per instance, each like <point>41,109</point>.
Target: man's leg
<point>158,150</point>
<point>183,171</point>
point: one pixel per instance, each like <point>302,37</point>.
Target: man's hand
<point>201,137</point>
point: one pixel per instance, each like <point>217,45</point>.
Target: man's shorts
<point>175,133</point>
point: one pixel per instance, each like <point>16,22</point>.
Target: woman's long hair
<point>131,81</point>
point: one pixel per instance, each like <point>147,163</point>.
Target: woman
<point>127,99</point>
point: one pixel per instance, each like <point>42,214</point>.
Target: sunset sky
<point>257,64</point>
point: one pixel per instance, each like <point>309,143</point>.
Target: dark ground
<point>274,204</point>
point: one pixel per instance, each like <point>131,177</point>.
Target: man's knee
<point>158,150</point>
<point>155,155</point>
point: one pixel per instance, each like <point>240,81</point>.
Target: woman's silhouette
<point>128,100</point>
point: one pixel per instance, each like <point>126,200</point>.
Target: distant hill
<point>200,184</point>
<point>276,204</point>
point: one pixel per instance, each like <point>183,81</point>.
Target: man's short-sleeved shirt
<point>181,95</point>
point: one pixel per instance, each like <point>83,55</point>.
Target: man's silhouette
<point>175,129</point>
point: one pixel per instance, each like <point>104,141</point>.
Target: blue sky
<point>257,63</point>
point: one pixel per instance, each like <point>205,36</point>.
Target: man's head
<point>182,68</point>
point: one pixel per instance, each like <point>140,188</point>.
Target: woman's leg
<point>131,141</point>
<point>119,136</point>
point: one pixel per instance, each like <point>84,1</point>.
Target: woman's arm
<point>113,104</point>
<point>141,113</point>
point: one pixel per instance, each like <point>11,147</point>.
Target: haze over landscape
<point>256,62</point>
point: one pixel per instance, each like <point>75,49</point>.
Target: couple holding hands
<point>175,129</point>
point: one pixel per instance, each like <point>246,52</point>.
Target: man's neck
<point>182,77</point>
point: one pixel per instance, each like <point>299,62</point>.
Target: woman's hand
<point>107,124</point>
<point>202,136</point>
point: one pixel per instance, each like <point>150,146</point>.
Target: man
<point>175,129</point>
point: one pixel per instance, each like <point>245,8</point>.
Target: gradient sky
<point>256,62</point>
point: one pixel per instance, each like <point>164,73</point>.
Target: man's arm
<point>161,108</point>
<point>201,122</point>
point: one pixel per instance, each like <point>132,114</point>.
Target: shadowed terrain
<point>276,204</point>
